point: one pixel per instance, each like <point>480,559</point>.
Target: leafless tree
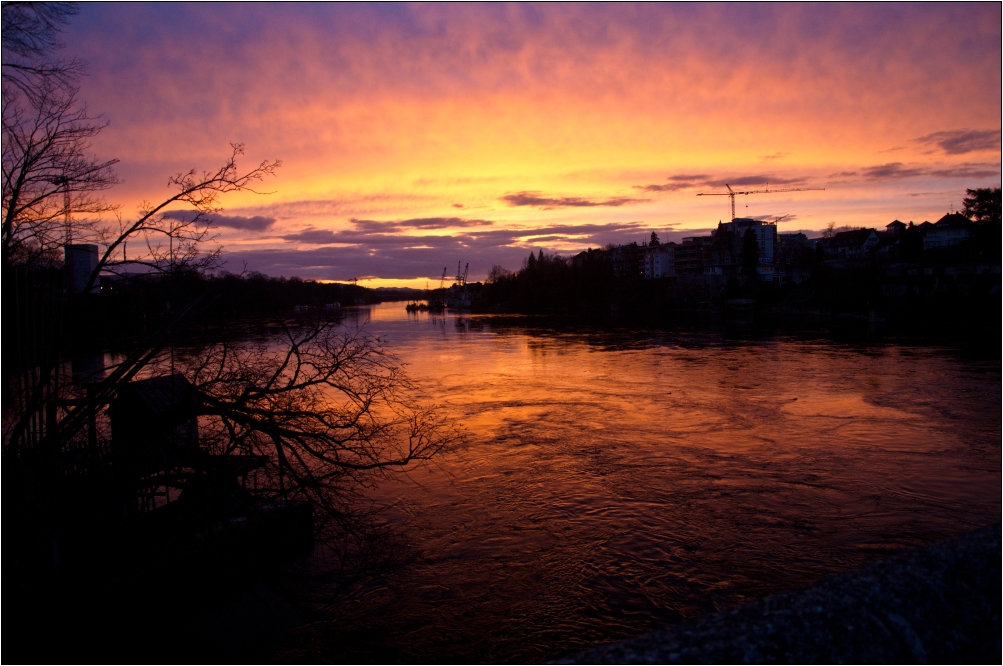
<point>48,175</point>
<point>498,273</point>
<point>51,183</point>
<point>167,245</point>
<point>331,410</point>
<point>169,242</point>
<point>48,178</point>
<point>51,197</point>
<point>30,40</point>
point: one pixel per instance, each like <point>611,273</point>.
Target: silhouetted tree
<point>983,205</point>
<point>911,244</point>
<point>332,411</point>
<point>48,177</point>
<point>328,409</point>
<point>30,39</point>
<point>498,273</point>
<point>172,242</point>
<point>654,239</point>
<point>39,355</point>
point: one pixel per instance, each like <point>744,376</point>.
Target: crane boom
<point>732,193</point>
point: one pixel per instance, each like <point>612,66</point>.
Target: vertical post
<point>66,211</point>
<point>92,429</point>
<point>50,418</point>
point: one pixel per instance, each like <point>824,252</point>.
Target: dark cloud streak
<point>898,171</point>
<point>960,142</point>
<point>667,187</point>
<point>418,223</point>
<point>760,179</point>
<point>685,182</point>
<point>538,200</point>
<point>891,171</point>
<point>968,171</point>
<point>254,223</point>
<point>315,237</point>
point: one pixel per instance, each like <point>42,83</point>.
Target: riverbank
<point>939,604</point>
<point>946,301</point>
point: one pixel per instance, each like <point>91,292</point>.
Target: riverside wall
<point>938,604</point>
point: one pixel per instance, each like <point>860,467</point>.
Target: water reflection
<point>617,481</point>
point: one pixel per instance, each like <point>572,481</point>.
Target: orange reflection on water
<point>615,481</point>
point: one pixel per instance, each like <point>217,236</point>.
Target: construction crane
<point>731,193</point>
<point>442,280</point>
<point>461,277</point>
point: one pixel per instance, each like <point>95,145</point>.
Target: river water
<point>615,481</point>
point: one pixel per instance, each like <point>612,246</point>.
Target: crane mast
<point>731,193</point>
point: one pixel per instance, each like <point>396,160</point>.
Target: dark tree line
<point>588,285</point>
<point>127,309</point>
<point>982,205</point>
<point>594,283</point>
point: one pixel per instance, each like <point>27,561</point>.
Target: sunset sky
<point>416,136</point>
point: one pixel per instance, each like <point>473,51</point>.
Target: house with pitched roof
<point>949,230</point>
<point>856,244</point>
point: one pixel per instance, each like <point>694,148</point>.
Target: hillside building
<point>659,261</point>
<point>947,231</point>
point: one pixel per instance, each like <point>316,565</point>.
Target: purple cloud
<point>314,237</point>
<point>891,171</point>
<point>417,223</point>
<point>683,182</point>
<point>759,179</point>
<point>959,142</point>
<point>968,170</point>
<point>253,223</point>
<point>538,200</point>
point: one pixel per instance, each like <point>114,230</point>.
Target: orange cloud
<point>542,115</point>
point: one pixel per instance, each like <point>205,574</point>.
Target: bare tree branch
<point>47,175</point>
<point>184,237</point>
<point>30,38</point>
<point>333,411</point>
